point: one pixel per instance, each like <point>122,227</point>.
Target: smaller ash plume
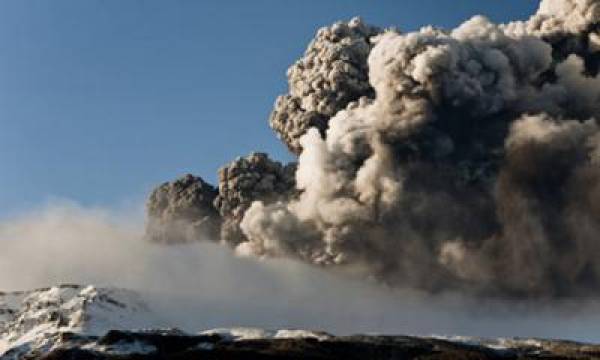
<point>182,211</point>
<point>246,180</point>
<point>437,159</point>
<point>189,209</point>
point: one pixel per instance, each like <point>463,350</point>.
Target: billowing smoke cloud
<point>248,179</point>
<point>464,159</point>
<point>332,73</point>
<point>182,211</point>
<point>200,285</point>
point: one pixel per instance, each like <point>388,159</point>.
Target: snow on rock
<point>301,334</point>
<point>500,343</point>
<point>239,333</point>
<point>124,348</point>
<point>249,333</point>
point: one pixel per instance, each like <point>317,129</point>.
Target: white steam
<point>200,285</point>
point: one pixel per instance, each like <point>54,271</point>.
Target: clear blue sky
<point>101,100</point>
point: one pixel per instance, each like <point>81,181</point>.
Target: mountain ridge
<point>86,322</point>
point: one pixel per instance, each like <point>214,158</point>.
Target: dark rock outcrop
<point>180,346</point>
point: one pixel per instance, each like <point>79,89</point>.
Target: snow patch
<point>125,348</point>
<point>249,333</point>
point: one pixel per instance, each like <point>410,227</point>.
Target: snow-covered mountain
<point>39,320</point>
<point>86,322</point>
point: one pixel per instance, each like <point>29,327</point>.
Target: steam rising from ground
<point>466,159</point>
<point>200,285</point>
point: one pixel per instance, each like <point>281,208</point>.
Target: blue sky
<point>101,100</point>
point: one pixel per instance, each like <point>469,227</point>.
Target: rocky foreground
<point>168,345</point>
<point>76,322</point>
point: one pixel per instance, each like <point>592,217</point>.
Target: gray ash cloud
<point>246,180</point>
<point>190,209</point>
<point>332,73</point>
<point>182,211</point>
<point>438,159</point>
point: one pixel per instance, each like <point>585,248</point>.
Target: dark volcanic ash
<point>248,179</point>
<point>466,159</point>
<point>182,211</point>
<point>332,73</point>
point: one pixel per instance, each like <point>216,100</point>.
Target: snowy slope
<point>39,319</point>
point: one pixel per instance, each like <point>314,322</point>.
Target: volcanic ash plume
<point>245,180</point>
<point>332,73</point>
<point>182,211</point>
<point>190,209</point>
<point>466,159</point>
